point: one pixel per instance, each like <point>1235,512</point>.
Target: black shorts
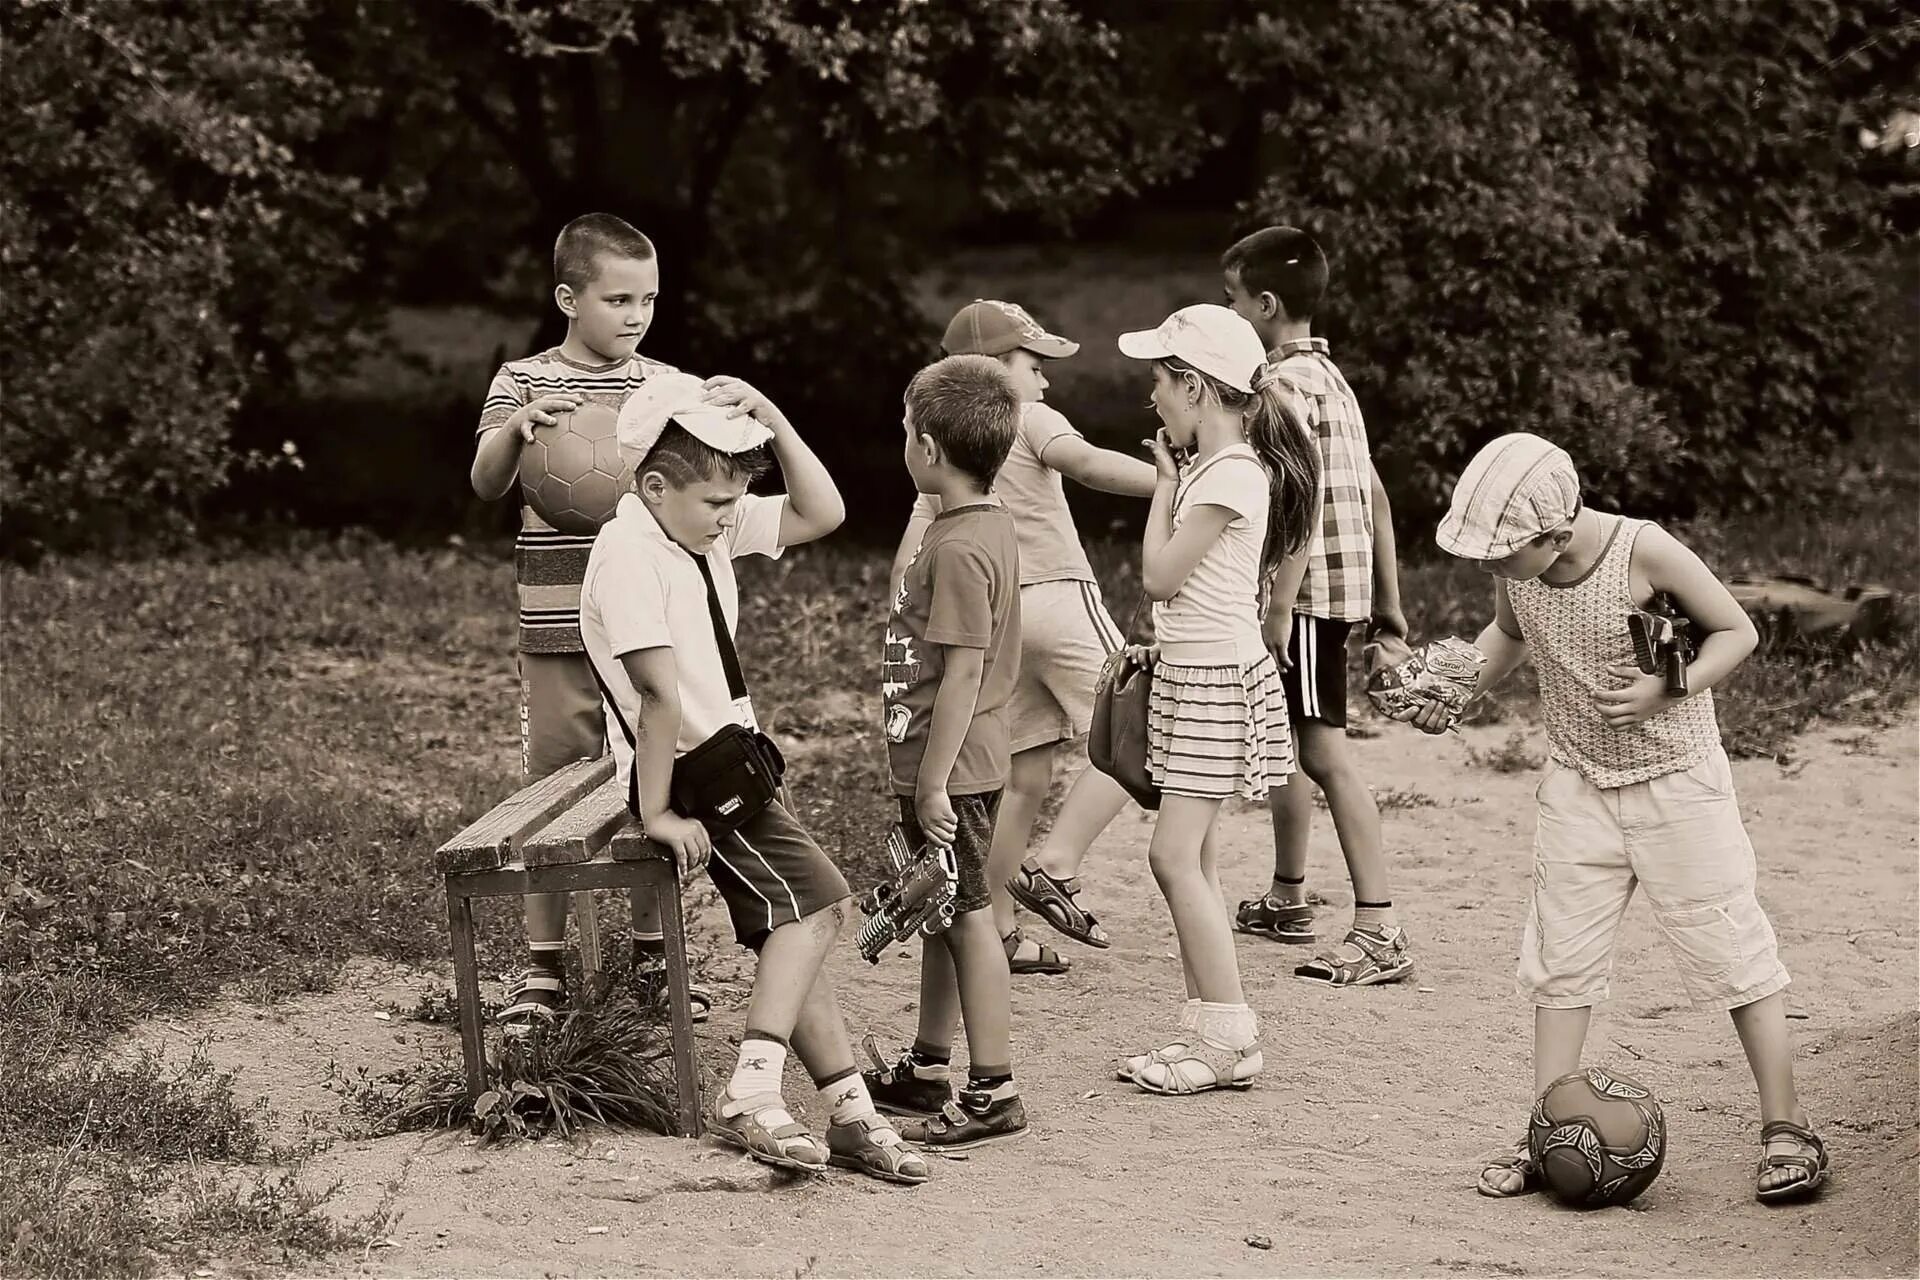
<point>976,815</point>
<point>770,872</point>
<point>1316,680</point>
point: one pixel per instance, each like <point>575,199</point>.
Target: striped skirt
<point>1214,732</point>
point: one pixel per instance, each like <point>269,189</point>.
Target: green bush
<point>1636,228</point>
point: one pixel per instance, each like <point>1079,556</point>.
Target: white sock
<point>1190,1013</point>
<point>757,1070</point>
<point>847,1099</point>
<point>1231,1026</point>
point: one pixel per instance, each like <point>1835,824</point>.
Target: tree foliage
<point>165,239</point>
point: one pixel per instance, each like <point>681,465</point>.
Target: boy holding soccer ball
<point>1637,791</point>
<point>606,279</point>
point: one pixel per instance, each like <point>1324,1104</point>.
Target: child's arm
<point>814,508</point>
<point>1667,564</point>
<point>1108,471</point>
<point>1387,613</point>
<point>496,458</point>
<point>656,679</point>
<point>953,706</point>
<point>1168,557</point>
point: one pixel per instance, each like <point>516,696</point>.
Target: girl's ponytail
<point>1279,435</point>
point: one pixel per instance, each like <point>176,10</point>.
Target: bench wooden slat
<point>488,843</point>
<point>630,844</point>
<point>582,832</point>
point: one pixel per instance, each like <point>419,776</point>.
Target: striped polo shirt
<point>548,564</point>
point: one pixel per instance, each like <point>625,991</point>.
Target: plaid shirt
<point>1339,578</point>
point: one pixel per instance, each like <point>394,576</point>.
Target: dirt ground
<point>1354,1155</point>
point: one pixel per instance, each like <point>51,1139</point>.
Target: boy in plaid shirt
<point>1275,278</point>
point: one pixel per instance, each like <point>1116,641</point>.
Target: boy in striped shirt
<point>606,280</point>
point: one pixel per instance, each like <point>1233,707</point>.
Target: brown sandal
<point>1815,1165</point>
<point>1048,961</point>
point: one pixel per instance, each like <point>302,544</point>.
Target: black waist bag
<point>727,779</point>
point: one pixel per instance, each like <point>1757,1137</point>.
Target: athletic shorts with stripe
<point>770,872</point>
<point>976,815</point>
<point>1066,636</point>
<point>1316,682</point>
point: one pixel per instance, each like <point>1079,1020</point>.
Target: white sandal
<point>1181,1065</point>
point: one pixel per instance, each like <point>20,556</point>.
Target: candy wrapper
<point>1444,671</point>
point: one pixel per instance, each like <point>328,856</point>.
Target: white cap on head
<point>1214,339</point>
<point>676,397</point>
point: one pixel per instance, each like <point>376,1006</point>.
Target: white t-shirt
<point>1050,549</point>
<point>1214,619</point>
<point>642,590</point>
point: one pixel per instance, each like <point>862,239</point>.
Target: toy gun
<point>1663,641</point>
<point>917,898</point>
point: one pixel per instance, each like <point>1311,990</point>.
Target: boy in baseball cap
<point>658,608</point>
<point>1627,755</point>
<point>1067,633</point>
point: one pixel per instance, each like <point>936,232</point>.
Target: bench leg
<point>466,984</point>
<point>686,1068</point>
<point>588,922</point>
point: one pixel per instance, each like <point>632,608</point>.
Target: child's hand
<point>687,838</point>
<point>1432,716</point>
<point>1166,470</point>
<point>1641,697</point>
<point>540,413</point>
<point>1277,629</point>
<point>935,813</point>
<point>1143,655</point>
<point>737,392</point>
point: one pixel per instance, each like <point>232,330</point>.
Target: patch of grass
<point>143,1107</point>
<point>610,1063</point>
<point>1515,755</point>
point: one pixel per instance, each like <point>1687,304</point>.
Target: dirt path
<point>1353,1156</point>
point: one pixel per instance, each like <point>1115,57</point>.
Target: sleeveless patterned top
<point>1574,631</point>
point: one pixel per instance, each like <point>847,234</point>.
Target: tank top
<point>1574,631</point>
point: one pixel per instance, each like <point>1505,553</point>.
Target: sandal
<point>1365,958</point>
<point>650,984</point>
<point>1815,1164</point>
<point>1267,917</point>
<point>763,1128</point>
<point>1047,961</point>
<point>1056,901</point>
<point>1519,1160</point>
<point>873,1147</point>
<point>1180,1066</point>
<point>535,1001</point>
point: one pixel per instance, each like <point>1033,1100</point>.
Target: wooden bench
<point>568,833</point>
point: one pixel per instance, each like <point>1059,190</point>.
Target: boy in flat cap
<point>1638,791</point>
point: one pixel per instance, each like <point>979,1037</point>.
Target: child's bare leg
<point>1291,808</point>
<point>1199,917</point>
<point>979,965</point>
<point>789,963</point>
<point>940,1000</point>
<point>1092,803</point>
<point>1762,1027</point>
<point>1026,791</point>
<point>646,913</point>
<point>546,917</point>
<point>1325,759</point>
<point>1558,1037</point>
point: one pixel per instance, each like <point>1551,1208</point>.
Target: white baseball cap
<point>677,397</point>
<point>1213,339</point>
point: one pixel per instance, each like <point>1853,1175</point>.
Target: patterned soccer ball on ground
<point>1598,1138</point>
<point>571,472</point>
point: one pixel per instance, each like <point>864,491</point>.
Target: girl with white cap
<point>1227,533</point>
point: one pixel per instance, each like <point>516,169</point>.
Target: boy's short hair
<point>581,244</point>
<point>969,405</point>
<point>1285,262</point>
<point>684,459</point>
